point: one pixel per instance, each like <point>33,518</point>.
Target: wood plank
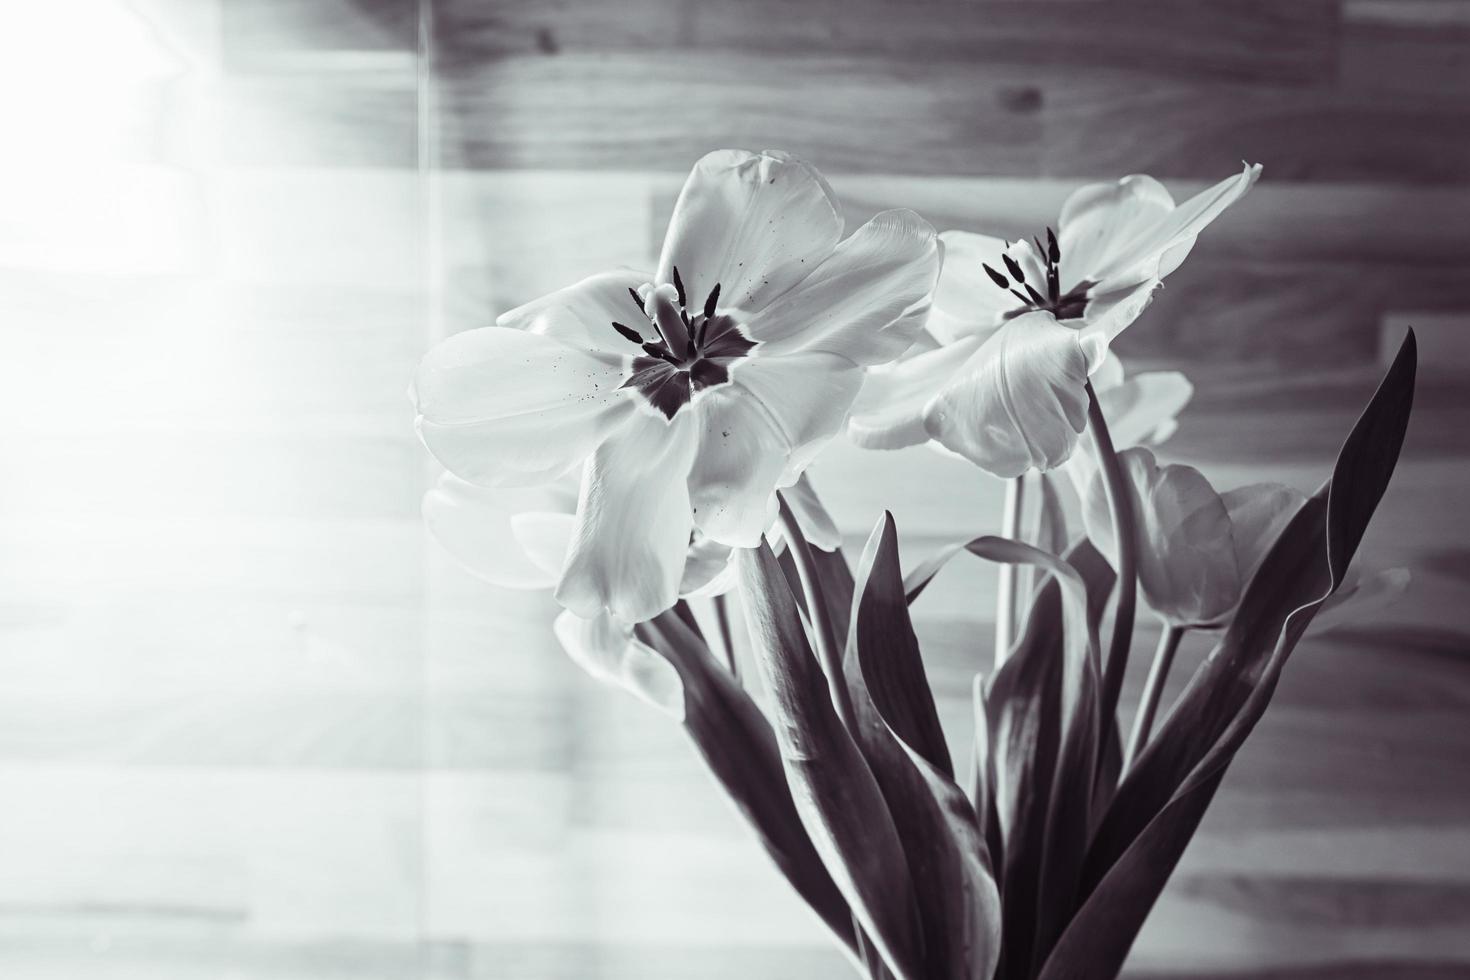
<point>940,117</point>
<point>632,111</point>
<point>1288,43</point>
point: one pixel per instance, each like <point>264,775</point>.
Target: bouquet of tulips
<point>637,442</point>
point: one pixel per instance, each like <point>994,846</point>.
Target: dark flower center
<point>1063,306</point>
<point>691,353</point>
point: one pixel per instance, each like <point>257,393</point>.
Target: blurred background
<point>253,724</point>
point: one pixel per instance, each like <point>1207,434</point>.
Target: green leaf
<point>1164,796</point>
<point>737,744</point>
<point>837,797</point>
<point>899,734</point>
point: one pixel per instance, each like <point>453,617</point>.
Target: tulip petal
<point>1109,313</point>
<point>755,224</point>
<point>633,521</point>
<point>1129,232</point>
<point>1258,513</point>
<point>733,481</point>
<point>1142,410</point>
<point>581,315</point>
<point>708,570</point>
<point>807,395</point>
<point>504,407</point>
<point>1020,400</point>
<point>544,538</point>
<point>610,652</point>
<point>1100,221</point>
<point>1186,553</point>
<point>889,411</point>
<point>866,301</point>
<point>759,433</point>
<point>1360,598</point>
<point>815,523</point>
<point>475,526</point>
<point>968,299</point>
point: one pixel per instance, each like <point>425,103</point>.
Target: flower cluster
<point>637,443</point>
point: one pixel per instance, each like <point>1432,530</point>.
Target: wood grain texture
<point>1064,89</point>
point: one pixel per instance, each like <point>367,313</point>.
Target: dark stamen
<point>996,277</point>
<point>679,285</point>
<point>1039,250</point>
<point>1035,296</point>
<point>654,350</point>
<point>637,300</point>
<point>1014,269</point>
<point>1053,251</point>
<point>628,333</point>
<point>1020,296</point>
<point>709,304</point>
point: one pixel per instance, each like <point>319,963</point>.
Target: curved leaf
<point>1160,802</point>
<point>837,797</point>
<point>1042,704</point>
<point>737,744</point>
<point>883,636</point>
<point>898,732</point>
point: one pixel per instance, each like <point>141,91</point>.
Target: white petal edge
<point>581,315</point>
<point>889,411</point>
<point>633,521</point>
<point>501,407</point>
<point>1019,402</point>
<point>474,526</point>
<point>756,224</point>
<point>611,653</point>
<point>867,301</point>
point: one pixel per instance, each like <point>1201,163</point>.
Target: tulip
<point>1018,328</point>
<point>688,397</point>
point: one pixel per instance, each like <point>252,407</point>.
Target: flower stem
<point>1120,503</point>
<point>1005,590</point>
<point>722,623</point>
<point>1153,690</point>
<point>829,647</point>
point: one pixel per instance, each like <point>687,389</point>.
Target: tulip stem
<point>829,648</point>
<point>1153,690</point>
<point>722,624</point>
<point>1005,590</point>
<point>1120,503</point>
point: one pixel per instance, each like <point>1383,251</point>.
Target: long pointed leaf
<point>898,732</point>
<point>893,666</point>
<point>736,742</point>
<point>1163,798</point>
<point>1057,665</point>
<point>837,797</point>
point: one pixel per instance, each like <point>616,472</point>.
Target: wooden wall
<point>253,725</point>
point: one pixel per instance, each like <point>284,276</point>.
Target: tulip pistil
<point>692,352</point>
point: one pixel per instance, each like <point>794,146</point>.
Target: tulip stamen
<point>1064,306</point>
<point>702,349</point>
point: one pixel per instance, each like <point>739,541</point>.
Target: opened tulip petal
<point>1258,513</point>
<point>754,224</point>
<point>508,408</point>
<point>579,314</point>
<point>476,526</point>
<point>889,412</point>
<point>633,522</point>
<point>610,652</point>
<point>866,301</point>
<point>1019,402</point>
